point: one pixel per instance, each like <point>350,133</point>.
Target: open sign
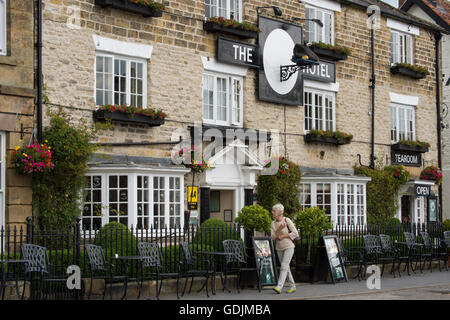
<point>421,190</point>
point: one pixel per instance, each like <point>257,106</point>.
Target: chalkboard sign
<point>329,250</point>
<point>265,261</point>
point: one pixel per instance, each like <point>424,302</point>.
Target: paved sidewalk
<point>353,289</point>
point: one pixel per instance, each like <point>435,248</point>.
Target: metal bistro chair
<point>390,250</point>
<point>373,253</point>
<point>193,266</point>
<point>151,260</point>
<point>101,269</point>
<point>37,264</point>
<point>433,253</point>
<point>414,250</point>
<point>236,261</point>
<point>351,257</point>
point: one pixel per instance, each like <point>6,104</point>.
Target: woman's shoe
<point>291,290</point>
<point>277,290</point>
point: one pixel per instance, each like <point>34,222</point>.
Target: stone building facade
<point>175,58</point>
<point>16,105</point>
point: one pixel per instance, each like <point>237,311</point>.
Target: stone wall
<point>175,78</point>
<point>16,103</point>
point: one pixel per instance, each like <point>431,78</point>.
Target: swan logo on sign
<point>276,44</point>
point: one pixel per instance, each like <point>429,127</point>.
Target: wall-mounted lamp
<point>318,21</point>
<point>276,10</point>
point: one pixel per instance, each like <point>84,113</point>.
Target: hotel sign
<point>325,71</point>
<point>411,159</point>
<point>238,53</point>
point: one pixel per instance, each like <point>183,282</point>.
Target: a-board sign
<point>265,260</point>
<point>329,259</point>
<point>192,197</point>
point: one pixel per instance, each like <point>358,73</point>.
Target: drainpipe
<point>437,37</point>
<point>39,71</point>
<point>372,86</point>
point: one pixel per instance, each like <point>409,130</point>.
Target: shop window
<point>120,80</point>
<point>3,27</point>
<point>401,47</point>
<point>135,200</point>
<point>319,110</point>
<point>230,9</point>
<point>402,123</point>
<point>316,33</point>
<point>222,99</point>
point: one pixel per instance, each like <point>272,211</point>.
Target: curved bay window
<point>136,200</point>
<point>343,199</point>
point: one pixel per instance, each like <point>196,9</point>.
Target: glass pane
<point>97,182</point>
<point>113,181</point>
<point>99,64</point>
<point>123,181</point>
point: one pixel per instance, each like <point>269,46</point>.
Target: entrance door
<point>406,209</point>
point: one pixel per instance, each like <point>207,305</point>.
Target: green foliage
<point>394,222</point>
<point>447,225</point>
<point>115,237</point>
<point>58,194</point>
<point>340,49</point>
<point>312,221</point>
<point>399,172</point>
<point>212,232</point>
<point>254,217</point>
<point>283,187</point>
<point>381,194</point>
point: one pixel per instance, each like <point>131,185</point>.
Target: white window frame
<point>395,107</point>
<point>133,194</point>
<point>359,200</point>
<point>3,27</point>
<point>226,4</point>
<point>231,106</point>
<point>316,29</point>
<point>402,47</point>
<point>314,117</point>
<point>128,60</point>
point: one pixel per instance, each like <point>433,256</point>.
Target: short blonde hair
<point>278,207</point>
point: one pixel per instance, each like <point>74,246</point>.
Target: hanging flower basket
<point>231,27</point>
<point>330,52</point>
<point>398,172</point>
<point>148,116</point>
<point>191,158</point>
<point>33,159</point>
<point>146,8</point>
<point>432,173</point>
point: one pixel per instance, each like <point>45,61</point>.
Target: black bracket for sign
<point>301,64</point>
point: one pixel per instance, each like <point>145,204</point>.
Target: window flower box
<point>412,71</point>
<point>146,8</point>
<point>330,52</point>
<point>149,117</point>
<point>320,136</point>
<point>415,146</point>
<point>231,27</point>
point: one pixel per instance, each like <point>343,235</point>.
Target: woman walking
<point>284,232</point>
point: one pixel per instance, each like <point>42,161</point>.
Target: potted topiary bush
<point>312,222</point>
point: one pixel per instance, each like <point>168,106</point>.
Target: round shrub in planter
<point>212,232</point>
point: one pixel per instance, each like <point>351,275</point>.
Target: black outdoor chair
<point>373,253</point>
<point>433,253</point>
<point>351,257</point>
<point>152,266</point>
<point>395,253</point>
<point>101,269</point>
<point>414,251</point>
<point>236,261</point>
<point>194,266</point>
<point>38,272</point>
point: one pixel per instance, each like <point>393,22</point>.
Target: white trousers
<point>285,257</point>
